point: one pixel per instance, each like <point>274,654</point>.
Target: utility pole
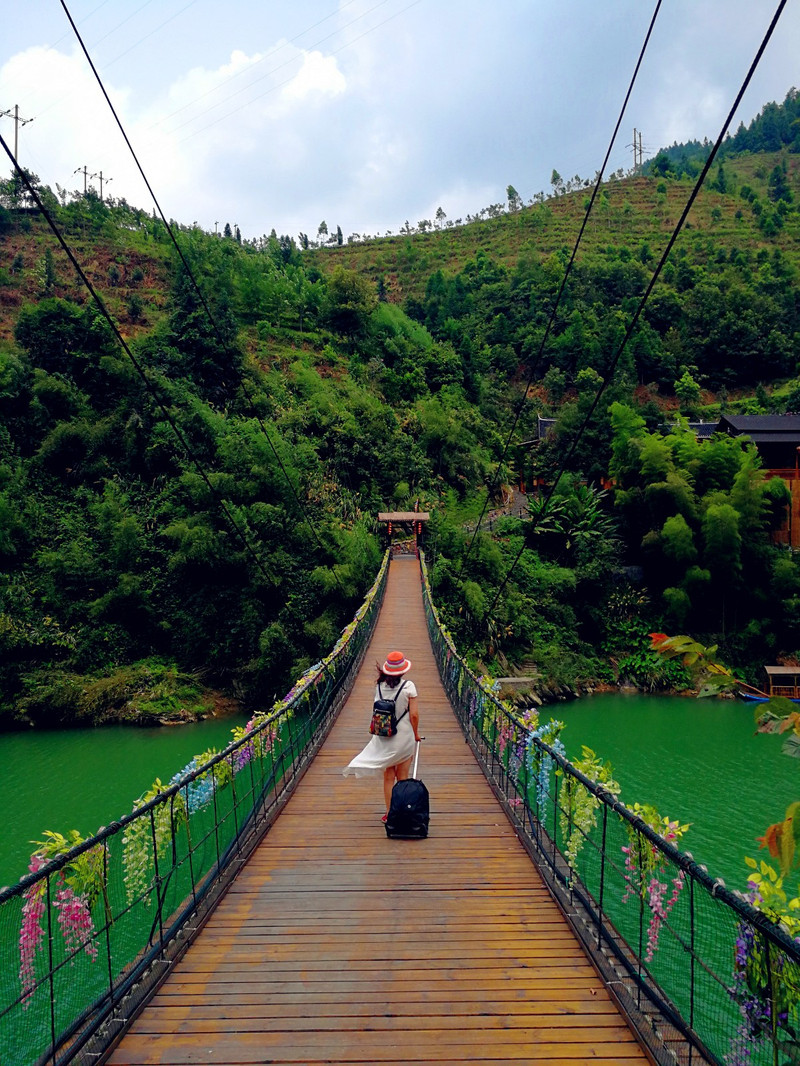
<point>107,180</point>
<point>638,154</point>
<point>85,172</point>
<point>17,123</point>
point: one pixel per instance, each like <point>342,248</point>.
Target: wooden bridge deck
<point>337,945</point>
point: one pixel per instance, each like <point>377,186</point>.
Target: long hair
<point>392,680</point>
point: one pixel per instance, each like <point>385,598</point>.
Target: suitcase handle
<point>416,757</point>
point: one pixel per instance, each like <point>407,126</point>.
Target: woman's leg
<point>389,775</point>
<point>403,769</point>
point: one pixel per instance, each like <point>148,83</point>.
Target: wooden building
<point>777,439</point>
<point>784,681</point>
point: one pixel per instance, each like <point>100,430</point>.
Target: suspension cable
<point>538,357</point>
<point>33,193</point>
<point>632,325</point>
<point>200,295</point>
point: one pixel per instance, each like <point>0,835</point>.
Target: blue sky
<point>368,113</point>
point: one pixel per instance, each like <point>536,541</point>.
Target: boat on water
<point>751,697</point>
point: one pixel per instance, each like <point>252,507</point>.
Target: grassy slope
<point>628,213</point>
<point>633,214</point>
<point>118,248</point>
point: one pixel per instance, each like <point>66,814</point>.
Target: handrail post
<point>601,894</point>
<point>234,806</point>
<point>157,878</point>
<point>51,965</point>
<point>107,927</point>
<point>640,948</point>
<point>692,958</point>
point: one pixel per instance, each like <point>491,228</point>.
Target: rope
<point>201,297</point>
<point>537,360</point>
<point>32,192</point>
<point>656,273</point>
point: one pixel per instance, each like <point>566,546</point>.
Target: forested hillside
<point>189,514</point>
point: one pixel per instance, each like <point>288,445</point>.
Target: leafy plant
<point>143,838</point>
<point>579,806</point>
<point>766,982</point>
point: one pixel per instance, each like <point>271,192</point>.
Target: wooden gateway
<point>409,522</point>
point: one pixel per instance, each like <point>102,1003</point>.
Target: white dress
<point>383,752</point>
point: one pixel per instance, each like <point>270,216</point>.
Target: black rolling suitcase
<point>409,811</point>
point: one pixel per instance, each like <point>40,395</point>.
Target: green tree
<point>722,548</point>
<point>688,392</point>
<point>351,300</point>
<point>778,187</point>
<point>514,199</point>
<point>677,542</point>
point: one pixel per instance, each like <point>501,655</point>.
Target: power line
<point>272,89</point>
<point>262,59</point>
<point>33,193</point>
<point>537,359</point>
<point>200,294</point>
<point>656,273</point>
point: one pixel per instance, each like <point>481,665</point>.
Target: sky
<point>366,114</point>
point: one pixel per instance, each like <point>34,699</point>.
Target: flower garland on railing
<point>82,881</point>
<point>645,865</point>
<point>548,733</point>
<point>578,811</point>
<point>200,791</point>
<point>139,847</point>
<point>78,886</point>
<point>31,934</point>
<point>644,862</point>
<point>766,983</point>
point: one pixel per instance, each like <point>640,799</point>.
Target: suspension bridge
<point>255,912</point>
<point>335,944</point>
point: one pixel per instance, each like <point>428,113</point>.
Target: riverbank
<point>145,694</point>
<point>524,691</point>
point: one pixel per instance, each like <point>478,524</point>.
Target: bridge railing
<point>701,974</point>
<point>87,936</point>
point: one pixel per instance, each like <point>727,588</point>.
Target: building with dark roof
<point>777,438</point>
<point>701,430</point>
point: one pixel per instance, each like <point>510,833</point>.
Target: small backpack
<point>384,721</point>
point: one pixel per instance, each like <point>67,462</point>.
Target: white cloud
<point>318,75</point>
<point>72,125</point>
<point>367,113</point>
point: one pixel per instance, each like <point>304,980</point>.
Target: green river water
<point>85,778</point>
<point>698,761</point>
<point>695,760</point>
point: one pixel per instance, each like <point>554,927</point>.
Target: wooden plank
<point>365,1047</point>
<point>334,1005</point>
<point>336,945</point>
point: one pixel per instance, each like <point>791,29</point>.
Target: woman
<point>391,756</point>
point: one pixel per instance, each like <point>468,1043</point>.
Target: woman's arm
<point>413,715</point>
